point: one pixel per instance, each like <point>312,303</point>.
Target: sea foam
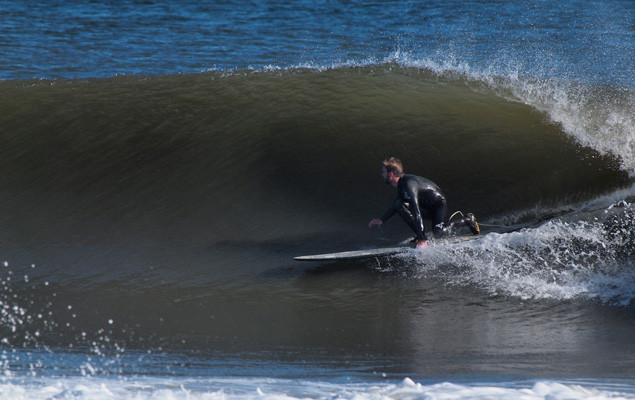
<point>274,389</point>
<point>558,260</point>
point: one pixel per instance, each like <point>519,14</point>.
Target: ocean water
<point>163,162</point>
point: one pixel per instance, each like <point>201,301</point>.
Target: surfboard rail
<point>356,254</point>
<point>402,247</point>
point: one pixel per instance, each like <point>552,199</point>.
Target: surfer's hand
<point>421,243</point>
<point>374,222</point>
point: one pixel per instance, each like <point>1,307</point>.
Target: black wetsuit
<point>420,198</point>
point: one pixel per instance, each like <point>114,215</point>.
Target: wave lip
<point>599,116</point>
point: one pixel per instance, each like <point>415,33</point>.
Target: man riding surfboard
<point>419,198</point>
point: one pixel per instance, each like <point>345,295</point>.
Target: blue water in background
<point>585,40</point>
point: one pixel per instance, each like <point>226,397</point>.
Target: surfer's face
<point>386,175</point>
<point>389,177</point>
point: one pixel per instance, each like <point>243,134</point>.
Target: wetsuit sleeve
<point>415,211</point>
<point>392,210</point>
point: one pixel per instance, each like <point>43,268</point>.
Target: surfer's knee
<point>440,230</point>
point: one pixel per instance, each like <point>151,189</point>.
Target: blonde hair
<point>394,165</point>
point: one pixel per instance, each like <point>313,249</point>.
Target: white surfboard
<point>379,251</point>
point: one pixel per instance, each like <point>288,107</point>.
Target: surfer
<point>419,198</point>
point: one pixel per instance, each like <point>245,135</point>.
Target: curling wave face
<point>173,205</point>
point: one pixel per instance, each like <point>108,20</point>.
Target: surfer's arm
<point>416,213</point>
<point>391,211</point>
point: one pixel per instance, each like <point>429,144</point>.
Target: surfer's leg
<point>439,226</point>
